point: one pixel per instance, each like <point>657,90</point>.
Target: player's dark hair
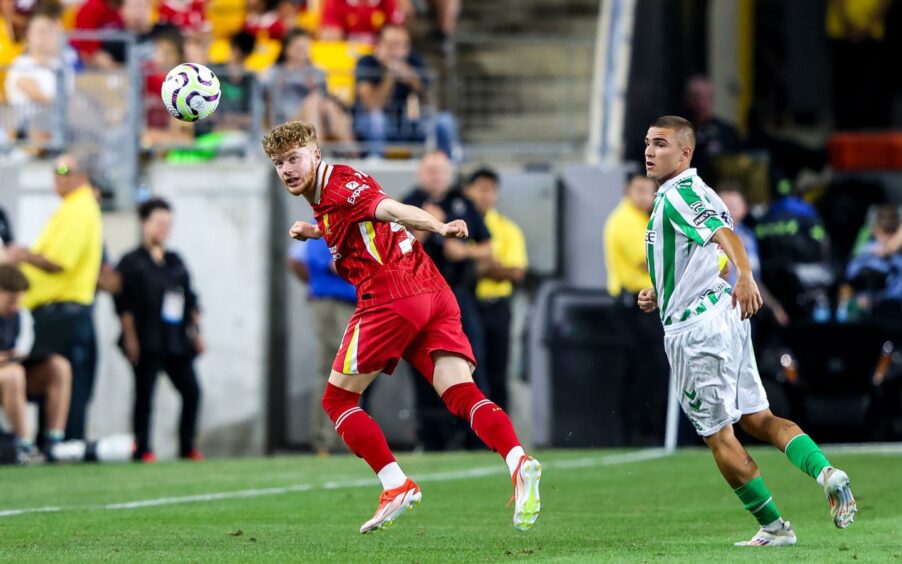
<point>682,126</point>
<point>12,279</point>
<point>244,42</point>
<point>147,208</point>
<point>484,172</point>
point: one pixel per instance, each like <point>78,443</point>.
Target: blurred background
<point>531,115</point>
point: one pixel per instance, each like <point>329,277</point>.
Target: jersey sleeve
<point>357,196</point>
<point>691,213</point>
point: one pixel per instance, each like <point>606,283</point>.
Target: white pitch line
<point>365,482</point>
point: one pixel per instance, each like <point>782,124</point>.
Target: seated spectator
<point>265,19</point>
<point>32,81</point>
<point>358,20</point>
<point>731,194</point>
<point>162,128</point>
<point>237,83</point>
<point>297,91</point>
<point>160,327</point>
<point>392,98</point>
<point>23,376</point>
<point>873,278</point>
<point>187,15</point>
<point>97,14</point>
<point>713,136</point>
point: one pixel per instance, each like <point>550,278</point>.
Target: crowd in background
<point>349,67</point>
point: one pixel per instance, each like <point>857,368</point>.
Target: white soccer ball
<point>190,92</point>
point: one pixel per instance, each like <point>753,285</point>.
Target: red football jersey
<point>384,261</point>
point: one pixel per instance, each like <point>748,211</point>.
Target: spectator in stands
<point>160,320</point>
<point>498,276</point>
<point>62,269</point>
<point>271,19</point>
<point>359,20</point>
<point>237,84</point>
<point>713,136</point>
<point>392,98</point>
<point>624,237</point>
<point>32,83</point>
<point>168,51</point>
<point>627,270</point>
<point>14,17</point>
<point>97,15</point>
<point>297,91</point>
<point>187,15</point>
<point>457,263</point>
<point>731,194</point>
<point>873,278</point>
<point>333,301</point>
<point>24,375</point>
<point>795,254</point>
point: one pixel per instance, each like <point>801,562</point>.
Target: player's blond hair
<point>681,126</point>
<point>287,136</point>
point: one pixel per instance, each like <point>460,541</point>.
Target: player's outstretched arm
<point>301,230</point>
<point>745,291</point>
<point>416,218</point>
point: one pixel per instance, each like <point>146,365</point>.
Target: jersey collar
<point>688,173</point>
<point>323,174</point>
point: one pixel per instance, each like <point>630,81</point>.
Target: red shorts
<point>412,328</point>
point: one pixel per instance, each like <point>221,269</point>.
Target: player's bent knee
<point>356,383</point>
<point>450,370</point>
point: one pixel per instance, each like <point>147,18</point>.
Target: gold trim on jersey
<point>350,364</point>
<point>368,232</point>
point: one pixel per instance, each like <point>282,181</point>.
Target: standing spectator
<point>97,14</point>
<point>359,20</point>
<point>297,91</point>
<point>498,275</point>
<point>713,136</point>
<point>456,261</point>
<point>392,98</point>
<point>333,302</point>
<point>645,386</point>
<point>32,81</point>
<point>160,320</point>
<point>23,375</point>
<point>624,237</point>
<point>62,269</point>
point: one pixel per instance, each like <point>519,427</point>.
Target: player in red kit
<point>404,310</point>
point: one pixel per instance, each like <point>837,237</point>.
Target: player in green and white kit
<point>708,339</point>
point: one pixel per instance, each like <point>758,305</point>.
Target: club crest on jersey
<point>357,188</point>
<point>650,237</point>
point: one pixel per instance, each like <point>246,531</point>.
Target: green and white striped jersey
<point>684,268</point>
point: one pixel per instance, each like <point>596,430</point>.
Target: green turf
<point>665,510</point>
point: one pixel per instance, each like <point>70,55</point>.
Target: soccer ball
<point>190,92</point>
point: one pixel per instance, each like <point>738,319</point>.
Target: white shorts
<point>714,369</point>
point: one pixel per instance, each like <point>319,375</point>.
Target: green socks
<point>756,498</point>
<point>806,455</point>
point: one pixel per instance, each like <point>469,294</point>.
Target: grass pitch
<point>597,506</point>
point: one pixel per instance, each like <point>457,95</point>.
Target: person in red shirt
<point>97,14</point>
<point>358,20</point>
<point>404,310</point>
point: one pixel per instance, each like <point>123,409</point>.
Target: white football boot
<point>392,504</point>
<point>839,496</point>
<point>784,537</point>
<point>526,493</point>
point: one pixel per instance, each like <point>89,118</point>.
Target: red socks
<point>489,421</point>
<point>357,429</point>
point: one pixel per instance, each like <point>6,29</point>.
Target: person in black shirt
<point>392,102</point>
<point>160,327</point>
<point>456,260</point>
<point>6,230</point>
